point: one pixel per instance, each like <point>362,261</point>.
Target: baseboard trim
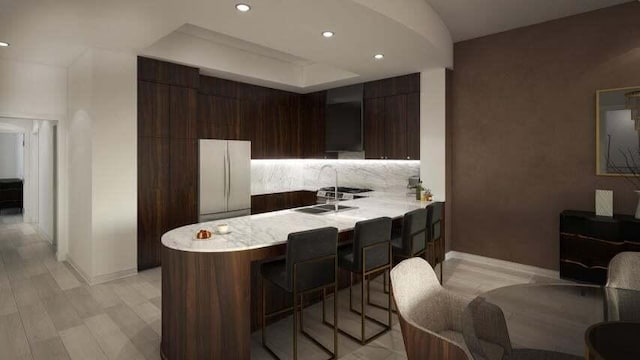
<point>101,278</point>
<point>77,268</point>
<point>503,263</point>
<point>113,276</point>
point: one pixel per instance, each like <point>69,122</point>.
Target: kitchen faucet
<point>335,193</point>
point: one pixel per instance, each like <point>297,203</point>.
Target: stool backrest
<point>414,228</point>
<point>434,220</point>
<point>311,258</point>
<point>372,238</point>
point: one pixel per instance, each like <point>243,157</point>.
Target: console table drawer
<point>589,242</point>
<point>588,251</point>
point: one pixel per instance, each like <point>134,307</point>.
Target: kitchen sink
<point>324,209</point>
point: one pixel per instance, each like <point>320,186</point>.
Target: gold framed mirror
<point>618,132</point>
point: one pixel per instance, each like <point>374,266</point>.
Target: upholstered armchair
<point>430,316</point>
<point>623,271</point>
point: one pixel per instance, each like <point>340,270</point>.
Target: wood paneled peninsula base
<point>210,302</point>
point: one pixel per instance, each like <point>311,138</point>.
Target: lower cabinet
<point>589,242</point>
<point>281,201</point>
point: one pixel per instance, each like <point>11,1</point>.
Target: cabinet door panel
<point>183,191</point>
<point>312,125</point>
<point>153,201</point>
<point>218,118</point>
<point>413,126</point>
<point>183,120</point>
<point>395,119</point>
<point>374,128</point>
<point>153,109</point>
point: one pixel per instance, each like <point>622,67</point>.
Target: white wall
<point>10,155</point>
<point>103,165</point>
<point>20,156</point>
<point>45,179</point>
<point>79,173</point>
<point>32,90</point>
<point>433,131</point>
<point>114,163</point>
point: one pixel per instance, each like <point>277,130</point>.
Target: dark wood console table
<point>11,194</point>
<point>588,242</point>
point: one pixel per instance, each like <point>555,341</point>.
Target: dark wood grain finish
<point>421,344</point>
<point>398,85</point>
<point>395,120</point>
<point>589,242</point>
<point>281,201</point>
<point>413,126</point>
<point>374,128</point>
<point>214,86</point>
<point>153,109</point>
<point>211,302</point>
<point>183,191</point>
<point>221,118</point>
<point>183,120</point>
<point>206,303</point>
<point>153,198</point>
<point>312,125</point>
<point>168,73</point>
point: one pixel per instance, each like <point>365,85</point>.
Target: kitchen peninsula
<point>209,290</point>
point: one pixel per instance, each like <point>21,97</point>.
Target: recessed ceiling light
<point>4,44</point>
<point>378,56</point>
<point>243,7</point>
<point>327,34</point>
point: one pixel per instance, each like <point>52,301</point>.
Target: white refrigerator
<point>225,179</point>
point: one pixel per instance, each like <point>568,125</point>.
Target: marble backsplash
<point>271,176</point>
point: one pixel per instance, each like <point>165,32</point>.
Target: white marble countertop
<point>262,230</point>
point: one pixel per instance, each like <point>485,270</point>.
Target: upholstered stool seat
<point>369,254</point>
<point>310,264</point>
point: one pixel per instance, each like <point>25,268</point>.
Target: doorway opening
<point>28,179</point>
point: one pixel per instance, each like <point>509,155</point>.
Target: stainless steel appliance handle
<point>229,176</point>
<point>224,160</point>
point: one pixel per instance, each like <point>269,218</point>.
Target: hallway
<point>47,312</point>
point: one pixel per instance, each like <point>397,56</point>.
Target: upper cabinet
<point>168,73</point>
<point>312,125</point>
<point>392,118</point>
<point>406,84</point>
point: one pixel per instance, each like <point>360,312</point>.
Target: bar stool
<point>435,239</point>
<point>369,254</point>
<point>411,240</point>
<point>310,265</point>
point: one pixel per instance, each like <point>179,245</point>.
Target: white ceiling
<point>468,19</point>
<point>284,34</point>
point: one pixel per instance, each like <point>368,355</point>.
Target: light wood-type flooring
<point>48,312</point>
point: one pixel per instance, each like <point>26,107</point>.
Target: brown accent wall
<point>522,130</point>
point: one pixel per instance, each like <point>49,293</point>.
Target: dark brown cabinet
<point>406,84</point>
<point>281,201</point>
<point>312,125</point>
<point>183,120</point>
<point>392,118</point>
<point>153,198</point>
<point>221,118</point>
<point>589,242</point>
<point>153,109</point>
<point>413,126</point>
<point>183,179</point>
<point>374,128</point>
<point>167,153</point>
<point>275,126</point>
<point>395,127</point>
<point>163,72</point>
<point>392,127</point>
